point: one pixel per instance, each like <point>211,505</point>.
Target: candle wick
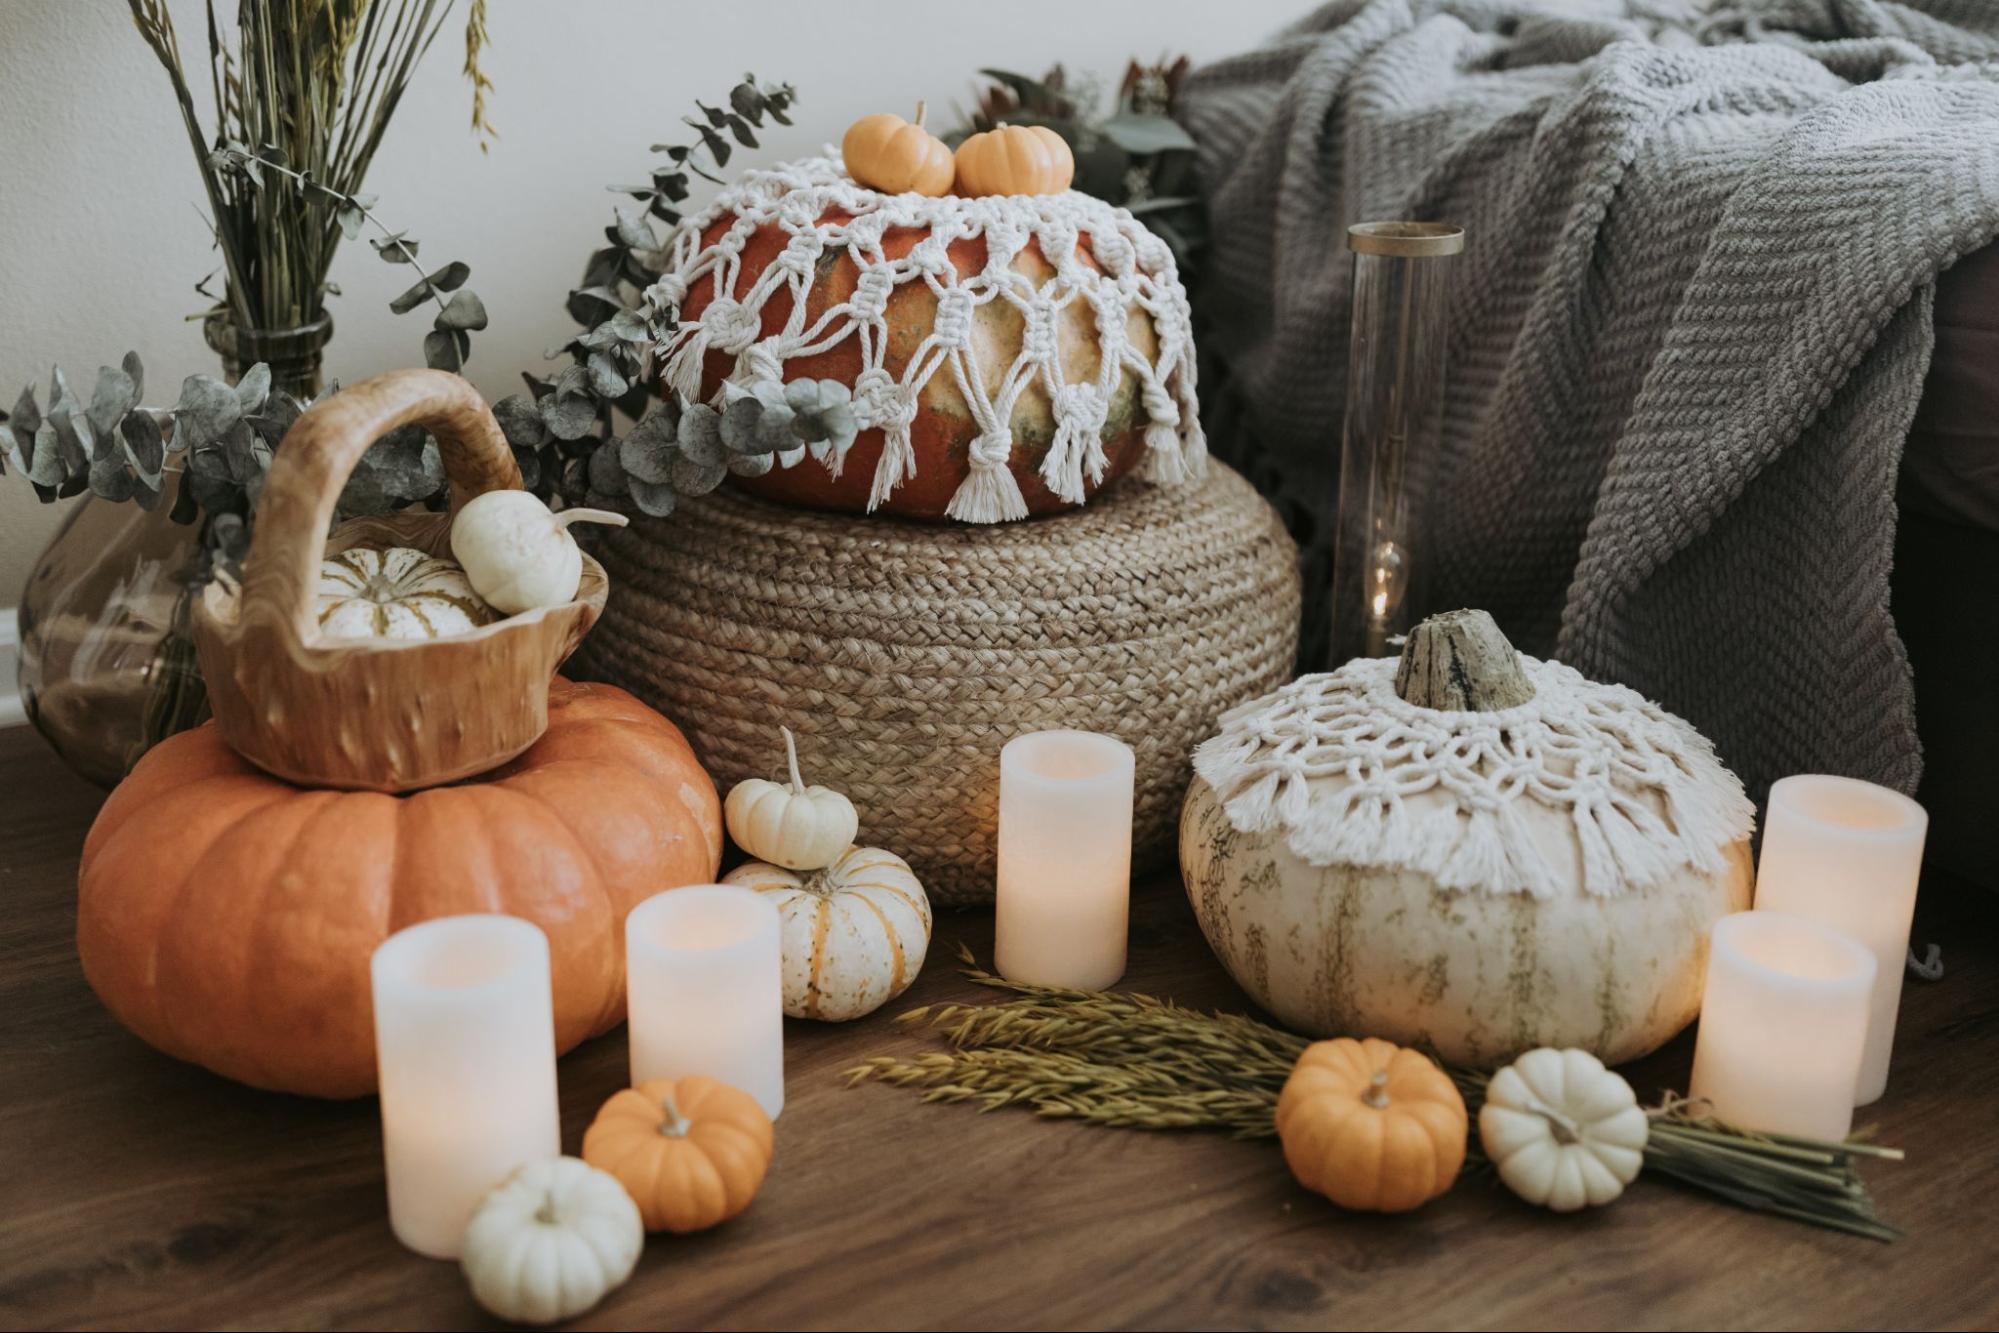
<point>1377,1090</point>
<point>676,1125</point>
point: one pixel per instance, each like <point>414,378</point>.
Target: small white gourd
<point>853,935</point>
<point>518,555</point>
<point>1564,1131</point>
<point>550,1241</point>
<point>399,593</point>
<point>797,827</point>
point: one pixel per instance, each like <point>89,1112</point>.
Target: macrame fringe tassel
<point>989,495</point>
<point>1062,469</point>
<point>1165,459</point>
<point>897,465</point>
<point>684,368</point>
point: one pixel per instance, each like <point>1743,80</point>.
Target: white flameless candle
<point>1848,853</point>
<point>465,1051</point>
<point>1064,893</point>
<point>1783,1024</point>
<point>705,985</point>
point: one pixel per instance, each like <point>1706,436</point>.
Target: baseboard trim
<point>11,712</point>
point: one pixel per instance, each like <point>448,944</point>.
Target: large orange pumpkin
<point>227,917</point>
<point>944,429</point>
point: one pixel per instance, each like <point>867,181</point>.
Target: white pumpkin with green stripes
<point>854,934</point>
<point>1468,850</point>
<point>400,593</point>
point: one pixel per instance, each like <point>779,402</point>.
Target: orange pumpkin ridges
<point>1371,1125</point>
<point>884,152</point>
<point>692,1152</point>
<point>228,918</point>
<point>1015,159</point>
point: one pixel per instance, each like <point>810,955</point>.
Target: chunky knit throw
<point>1691,321</point>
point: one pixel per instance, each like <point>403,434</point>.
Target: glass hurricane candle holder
<point>1394,417</point>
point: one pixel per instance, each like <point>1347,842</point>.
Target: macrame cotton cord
<point>1133,271</point>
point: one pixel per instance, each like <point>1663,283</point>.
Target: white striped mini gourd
<point>854,933</point>
<point>400,593</point>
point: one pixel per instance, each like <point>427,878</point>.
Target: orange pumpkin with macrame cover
<point>228,917</point>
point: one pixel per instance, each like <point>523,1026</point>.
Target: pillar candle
<point>1064,892</point>
<point>704,982</point>
<point>465,1052</point>
<point>1783,1024</point>
<point>1848,853</point>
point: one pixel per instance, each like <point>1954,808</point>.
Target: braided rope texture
<point>905,655</point>
<point>822,210</point>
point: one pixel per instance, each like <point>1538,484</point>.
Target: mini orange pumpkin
<point>885,152</point>
<point>1015,159</point>
<point>1371,1126</point>
<point>691,1152</point>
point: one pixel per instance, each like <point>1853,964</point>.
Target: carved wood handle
<point>281,572</point>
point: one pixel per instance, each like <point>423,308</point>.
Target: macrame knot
<point>762,363</point>
<point>992,449</point>
<point>1003,243</point>
<point>801,254</point>
<point>871,293</point>
<point>1160,409</point>
<point>931,256</point>
<point>953,323</point>
<point>730,325</point>
<point>667,293</point>
<point>1037,335</point>
<point>1114,253</point>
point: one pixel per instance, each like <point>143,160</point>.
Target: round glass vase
<point>108,665</point>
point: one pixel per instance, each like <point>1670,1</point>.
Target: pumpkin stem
<point>791,756</point>
<point>676,1125</point>
<point>608,517</point>
<point>546,1213</point>
<point>922,108</point>
<point>1565,1129</point>
<point>1459,662</point>
<point>1377,1090</point>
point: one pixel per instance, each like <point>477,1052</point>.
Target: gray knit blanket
<point>1690,324</point>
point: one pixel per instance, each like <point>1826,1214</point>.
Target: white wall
<point>100,240</point>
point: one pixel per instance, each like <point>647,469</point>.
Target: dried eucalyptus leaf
<point>750,465</point>
<point>113,396</point>
<point>605,381</point>
<point>569,418</point>
<point>630,326</point>
<point>135,370</point>
<point>27,414</point>
<point>239,452</point>
<point>399,248</point>
<point>148,494</point>
<point>253,388</point>
<point>529,462</point>
<point>692,478</point>
<point>649,452</point>
<point>45,467</point>
<point>573,382</point>
<point>351,220</point>
<point>205,412</point>
<point>607,472</point>
<point>700,435</point>
<point>463,311</point>
<point>520,421</point>
<point>747,101</point>
<point>671,184</point>
<point>280,413</point>
<point>111,480</point>
<point>145,446</point>
<point>653,499</point>
<point>447,279</point>
<point>11,451</point>
<point>446,349</point>
<point>632,231</point>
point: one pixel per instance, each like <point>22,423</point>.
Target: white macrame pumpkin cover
<point>1135,271</point>
<point>1331,760</point>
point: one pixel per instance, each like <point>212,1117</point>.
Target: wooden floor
<point>140,1193</point>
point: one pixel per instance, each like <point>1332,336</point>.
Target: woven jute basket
<point>905,655</point>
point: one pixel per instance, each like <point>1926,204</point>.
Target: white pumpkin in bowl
<point>1469,850</point>
<point>855,933</point>
<point>399,593</point>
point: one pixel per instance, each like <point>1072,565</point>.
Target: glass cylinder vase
<point>1394,418</point>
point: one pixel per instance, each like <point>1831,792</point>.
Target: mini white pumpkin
<point>400,593</point>
<point>797,827</point>
<point>855,933</point>
<point>1564,1131</point>
<point>551,1241</point>
<point>519,555</point>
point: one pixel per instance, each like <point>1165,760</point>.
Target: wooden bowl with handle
<point>376,714</point>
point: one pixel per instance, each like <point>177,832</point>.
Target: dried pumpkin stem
<point>1377,1091</point>
<point>610,518</point>
<point>922,108</point>
<point>791,757</point>
<point>676,1125</point>
<point>546,1213</point>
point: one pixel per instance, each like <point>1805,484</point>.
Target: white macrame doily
<point>1135,271</point>
<point>1330,762</point>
